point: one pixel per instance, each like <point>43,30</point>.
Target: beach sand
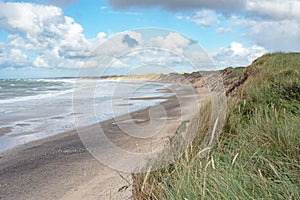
<point>5,130</point>
<point>60,167</point>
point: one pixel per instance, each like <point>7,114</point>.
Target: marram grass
<point>258,153</point>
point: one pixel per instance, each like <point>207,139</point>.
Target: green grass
<point>235,73</point>
<point>258,153</point>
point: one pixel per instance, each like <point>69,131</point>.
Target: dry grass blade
<point>203,152</point>
<point>234,159</point>
<point>213,132</point>
<point>146,179</point>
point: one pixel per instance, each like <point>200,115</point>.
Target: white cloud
<point>223,30</point>
<point>121,42</point>
<point>44,29</point>
<point>112,48</point>
<point>12,57</point>
<point>204,18</point>
<point>101,35</point>
<point>236,55</point>
<point>26,17</point>
<point>40,62</point>
<point>275,35</point>
<point>273,24</point>
<point>174,41</point>
<point>58,41</point>
<point>18,55</point>
<point>274,9</point>
<point>119,64</point>
<point>238,49</point>
<point>128,50</point>
<point>151,61</point>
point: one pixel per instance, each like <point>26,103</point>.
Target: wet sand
<point>60,167</point>
<point>5,130</point>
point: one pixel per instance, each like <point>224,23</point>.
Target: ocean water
<point>32,109</point>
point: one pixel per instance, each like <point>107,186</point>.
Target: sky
<point>57,38</point>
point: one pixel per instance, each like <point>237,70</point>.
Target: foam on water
<point>35,97</point>
<point>45,106</point>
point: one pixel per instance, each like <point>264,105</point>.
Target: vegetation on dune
<point>258,153</point>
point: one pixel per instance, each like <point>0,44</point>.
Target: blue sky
<point>52,38</point>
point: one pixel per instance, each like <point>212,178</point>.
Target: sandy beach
<point>60,167</point>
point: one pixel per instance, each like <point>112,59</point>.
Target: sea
<point>32,109</point>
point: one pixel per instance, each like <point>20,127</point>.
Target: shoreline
<point>60,167</point>
<point>7,129</point>
<point>74,131</point>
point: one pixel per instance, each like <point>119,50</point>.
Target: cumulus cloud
<point>112,49</point>
<point>173,41</point>
<point>45,29</point>
<point>40,61</point>
<point>180,5</point>
<point>276,35</point>
<point>12,57</point>
<point>236,55</point>
<point>131,41</point>
<point>26,17</point>
<point>121,42</point>
<point>37,27</point>
<point>42,36</point>
<point>273,24</point>
<point>130,50</point>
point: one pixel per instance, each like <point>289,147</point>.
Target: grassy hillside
<point>258,153</point>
